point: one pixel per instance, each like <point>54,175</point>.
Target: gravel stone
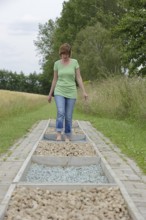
<point>84,204</point>
<point>65,149</point>
<point>39,173</point>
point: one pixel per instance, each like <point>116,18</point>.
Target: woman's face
<point>64,56</point>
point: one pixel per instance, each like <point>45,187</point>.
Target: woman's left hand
<point>49,98</point>
<point>85,95</point>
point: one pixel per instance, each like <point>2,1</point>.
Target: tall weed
<point>118,97</point>
<point>15,103</point>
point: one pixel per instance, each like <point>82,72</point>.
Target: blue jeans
<point>65,107</point>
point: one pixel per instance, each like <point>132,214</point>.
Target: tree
<point>96,52</point>
<point>77,14</point>
<point>45,40</point>
<point>132,32</point>
<point>19,82</point>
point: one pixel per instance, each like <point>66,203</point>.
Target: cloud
<point>25,26</point>
<point>3,2</point>
<point>19,20</point>
<point>14,57</point>
<point>22,28</point>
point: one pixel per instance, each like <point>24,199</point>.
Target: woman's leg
<point>60,104</point>
<point>69,107</point>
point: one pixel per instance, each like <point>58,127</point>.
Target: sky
<point>19,20</point>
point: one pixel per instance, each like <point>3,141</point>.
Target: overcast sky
<point>19,21</point>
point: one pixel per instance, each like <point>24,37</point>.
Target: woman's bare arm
<point>80,83</point>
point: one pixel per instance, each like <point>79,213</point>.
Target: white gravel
<point>39,173</point>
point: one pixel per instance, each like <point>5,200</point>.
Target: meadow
<point>116,107</point>
<point>18,112</point>
<point>118,97</point>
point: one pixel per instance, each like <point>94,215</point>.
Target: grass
<point>18,113</point>
<point>128,135</point>
<point>13,128</point>
<point>117,97</point>
<point>117,108</point>
<point>16,103</point>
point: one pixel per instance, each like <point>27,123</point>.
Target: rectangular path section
<point>80,179</point>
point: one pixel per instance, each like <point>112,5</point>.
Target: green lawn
<point>13,128</point>
<point>128,136</point>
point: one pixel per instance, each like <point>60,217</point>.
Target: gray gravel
<point>83,174</point>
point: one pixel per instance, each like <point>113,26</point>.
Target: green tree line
<point>31,83</point>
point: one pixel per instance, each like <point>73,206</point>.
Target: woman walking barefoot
<point>66,71</point>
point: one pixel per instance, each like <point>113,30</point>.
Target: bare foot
<point>66,139</point>
<point>58,137</point>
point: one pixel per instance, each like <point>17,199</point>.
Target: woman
<point>66,71</point>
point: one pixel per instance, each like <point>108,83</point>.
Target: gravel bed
<point>65,149</point>
<point>85,204</point>
<point>39,173</point>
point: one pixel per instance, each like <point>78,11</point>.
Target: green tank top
<point>66,85</point>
